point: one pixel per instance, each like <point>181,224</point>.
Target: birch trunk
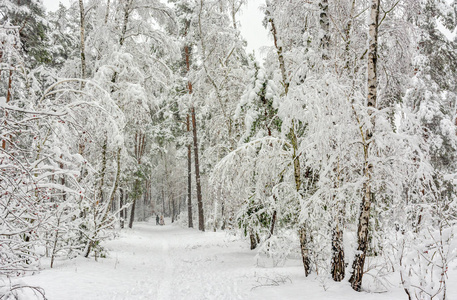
<point>338,266</point>
<point>365,206</point>
<point>304,250</point>
<point>325,26</point>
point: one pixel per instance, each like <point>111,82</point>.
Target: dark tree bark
<point>62,179</point>
<point>163,201</point>
<point>189,183</point>
<point>253,240</point>
<point>132,213</point>
<point>201,220</point>
<point>273,222</point>
<point>121,212</point>
<point>189,146</point>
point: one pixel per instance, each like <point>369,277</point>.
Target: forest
<point>338,146</point>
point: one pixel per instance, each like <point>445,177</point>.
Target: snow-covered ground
<point>170,262</point>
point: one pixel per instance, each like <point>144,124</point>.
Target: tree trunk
<point>173,209</point>
<point>201,221</point>
<point>62,179</point>
<point>224,221</point>
<point>107,11</point>
<point>253,240</point>
<point>189,146</point>
<point>121,211</point>
<point>365,206</point>
<point>136,193</point>
<point>132,213</point>
<point>325,25</point>
<point>8,98</point>
<point>294,141</point>
<point>126,198</point>
<point>103,171</point>
<point>116,184</point>
<point>163,201</point>
<point>302,232</point>
<point>82,13</point>
<point>127,5</point>
<point>273,222</point>
<point>189,183</point>
<point>304,250</point>
<point>282,64</point>
<point>54,247</point>
<point>338,266</point>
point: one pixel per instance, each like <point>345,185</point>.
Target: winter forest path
<point>153,262</point>
<point>170,262</point>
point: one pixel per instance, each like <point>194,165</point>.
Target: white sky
<point>251,24</point>
<point>54,4</point>
<point>252,29</point>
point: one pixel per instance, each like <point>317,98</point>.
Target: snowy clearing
<point>170,262</point>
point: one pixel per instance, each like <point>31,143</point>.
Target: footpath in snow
<point>169,262</point>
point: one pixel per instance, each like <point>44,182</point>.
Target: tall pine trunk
<point>189,182</point>
<point>189,146</point>
<point>132,213</point>
<point>365,206</point>
<point>201,220</point>
<point>82,14</point>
